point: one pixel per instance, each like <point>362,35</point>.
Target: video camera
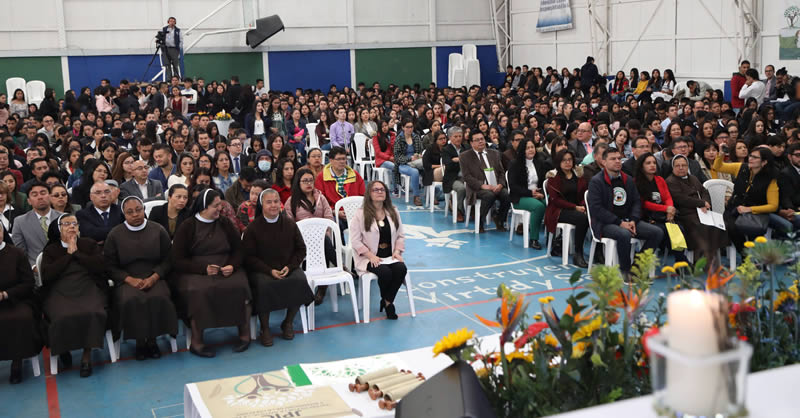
<point>161,37</point>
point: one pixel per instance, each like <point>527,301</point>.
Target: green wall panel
<point>47,69</point>
<point>394,65</point>
<point>221,66</point>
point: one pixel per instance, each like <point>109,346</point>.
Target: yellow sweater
<point>772,190</point>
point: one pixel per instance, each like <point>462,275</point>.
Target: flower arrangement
<point>222,116</point>
<point>595,351</point>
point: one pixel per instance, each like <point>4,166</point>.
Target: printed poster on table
<point>554,15</point>
<point>269,394</point>
<point>789,40</point>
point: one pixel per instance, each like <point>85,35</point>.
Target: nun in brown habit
<point>211,286</point>
<point>74,289</point>
<point>19,326</point>
<point>137,256</point>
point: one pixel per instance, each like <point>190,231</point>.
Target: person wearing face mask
<point>273,251</point>
<point>688,195</point>
<point>74,289</point>
<point>211,286</point>
<point>18,309</point>
<point>143,309</point>
<point>264,161</point>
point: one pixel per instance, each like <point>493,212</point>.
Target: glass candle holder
<point>688,386</point>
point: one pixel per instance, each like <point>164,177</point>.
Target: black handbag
<point>748,222</point>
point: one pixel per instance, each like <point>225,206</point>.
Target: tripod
<point>160,62</point>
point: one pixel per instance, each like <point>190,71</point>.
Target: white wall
<point>100,27</point>
<point>682,36</point>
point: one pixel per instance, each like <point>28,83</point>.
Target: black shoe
<point>242,346</point>
<point>535,244</point>
<point>86,369</point>
<point>579,261</point>
<point>202,353</point>
<point>288,330</point>
<point>390,312</point>
<point>141,352</point>
<point>319,295</point>
<point>266,339</point>
<point>66,359</point>
<point>382,306</point>
<point>152,350</point>
<point>16,373</point>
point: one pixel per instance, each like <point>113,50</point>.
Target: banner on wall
<point>789,41</point>
<point>554,15</point>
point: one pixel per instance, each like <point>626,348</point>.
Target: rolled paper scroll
<point>394,380</point>
<point>376,374</point>
<point>397,393</point>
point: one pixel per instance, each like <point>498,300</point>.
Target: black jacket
<point>159,215</point>
<point>789,184</point>
<point>518,179</point>
<point>452,168</point>
<point>92,225</point>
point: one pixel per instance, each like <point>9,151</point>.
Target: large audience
<point>237,166</point>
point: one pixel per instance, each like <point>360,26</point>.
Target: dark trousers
<point>581,222</point>
<point>170,58</point>
<point>488,198</point>
<point>737,234</point>
<point>390,278</point>
<point>650,234</point>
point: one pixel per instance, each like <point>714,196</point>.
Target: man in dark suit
<point>232,95</point>
<point>235,147</point>
<point>159,98</point>
<point>101,216</point>
<point>140,185</point>
<point>452,170</point>
<point>485,179</point>
<point>788,184</point>
<point>641,146</point>
<point>583,145</point>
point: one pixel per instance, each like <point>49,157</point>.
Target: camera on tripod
<point>161,38</point>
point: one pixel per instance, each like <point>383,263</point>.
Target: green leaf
<point>575,375</point>
<point>576,276</point>
<point>598,361</point>
<point>566,322</point>
<point>582,295</point>
<point>700,266</point>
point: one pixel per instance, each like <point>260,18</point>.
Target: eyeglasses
<point>57,195</point>
<point>344,159</point>
<point>236,144</point>
<point>755,157</point>
<point>308,181</point>
<point>75,223</point>
<point>379,190</point>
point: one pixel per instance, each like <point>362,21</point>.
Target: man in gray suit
<point>140,186</point>
<point>30,230</point>
<point>583,144</point>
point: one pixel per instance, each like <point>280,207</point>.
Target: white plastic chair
<point>318,273</point>
<point>469,51</point>
<point>567,232</point>
<point>366,279</point>
<point>459,78</point>
<point>112,348</point>
<point>430,194</point>
<point>35,90</point>
<point>609,245</point>
<point>717,190</point>
<point>148,206</point>
<point>313,141</point>
<point>361,161</point>
<point>455,62</point>
<point>350,205</point>
<point>519,216</point>
<point>472,72</point>
<point>14,83</point>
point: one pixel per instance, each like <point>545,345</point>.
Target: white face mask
<point>594,105</point>
<point>264,165</point>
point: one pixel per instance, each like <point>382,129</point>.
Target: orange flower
<point>612,317</point>
<point>716,280</point>
<point>509,315</point>
<point>577,317</point>
<point>629,301</point>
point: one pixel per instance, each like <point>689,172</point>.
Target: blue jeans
<point>326,147</point>
<point>409,171</point>
<point>650,234</point>
<point>781,225</point>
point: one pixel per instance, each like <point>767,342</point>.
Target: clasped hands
<point>213,270</point>
<point>142,284</point>
<point>280,274</point>
<point>375,261</point>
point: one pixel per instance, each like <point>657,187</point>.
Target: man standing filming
<point>171,51</point>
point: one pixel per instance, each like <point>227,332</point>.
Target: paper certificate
<point>272,394</point>
<point>711,218</point>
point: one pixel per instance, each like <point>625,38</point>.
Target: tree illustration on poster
<point>789,43</point>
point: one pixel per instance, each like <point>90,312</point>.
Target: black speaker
<point>265,28</point>
<point>452,393</point>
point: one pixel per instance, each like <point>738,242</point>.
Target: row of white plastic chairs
<point>314,231</point>
<point>33,90</point>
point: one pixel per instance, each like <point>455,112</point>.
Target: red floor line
<point>52,388</point>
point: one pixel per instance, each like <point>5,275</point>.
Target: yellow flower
<point>452,341</point>
<point>749,244</point>
<point>551,341</point>
<point>546,299</point>
<point>587,330</point>
<point>482,372</point>
<point>781,299</point>
<point>761,240</point>
<point>676,287</point>
<point>516,355</point>
<point>668,269</point>
<point>579,349</point>
<point>537,317</point>
<point>620,339</point>
<point>680,264</point>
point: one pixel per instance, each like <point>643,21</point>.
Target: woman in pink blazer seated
<point>376,235</point>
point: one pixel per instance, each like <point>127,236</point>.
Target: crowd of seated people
<point>632,152</point>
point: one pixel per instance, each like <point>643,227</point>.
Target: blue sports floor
<point>455,275</point>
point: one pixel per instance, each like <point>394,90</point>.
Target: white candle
<point>693,390</point>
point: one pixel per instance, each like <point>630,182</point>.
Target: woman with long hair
<point>323,129</point>
<point>171,215</point>
<point>123,168</point>
<point>15,197</point>
<point>59,200</point>
<point>96,171</point>
<point>275,144</point>
<point>275,117</point>
<point>706,154</point>
<point>619,88</point>
<point>284,175</point>
<point>314,161</point>
<point>378,241</point>
<point>657,206</point>
<point>18,105</point>
<point>256,122</point>
<point>383,144</point>
<point>566,191</point>
<point>525,178</point>
<point>223,176</point>
<point>184,171</point>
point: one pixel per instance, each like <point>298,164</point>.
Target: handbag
<point>676,239</point>
<point>752,223</point>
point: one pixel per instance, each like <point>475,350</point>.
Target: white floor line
<point>516,261</point>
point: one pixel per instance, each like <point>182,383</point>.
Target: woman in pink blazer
<point>376,235</point>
